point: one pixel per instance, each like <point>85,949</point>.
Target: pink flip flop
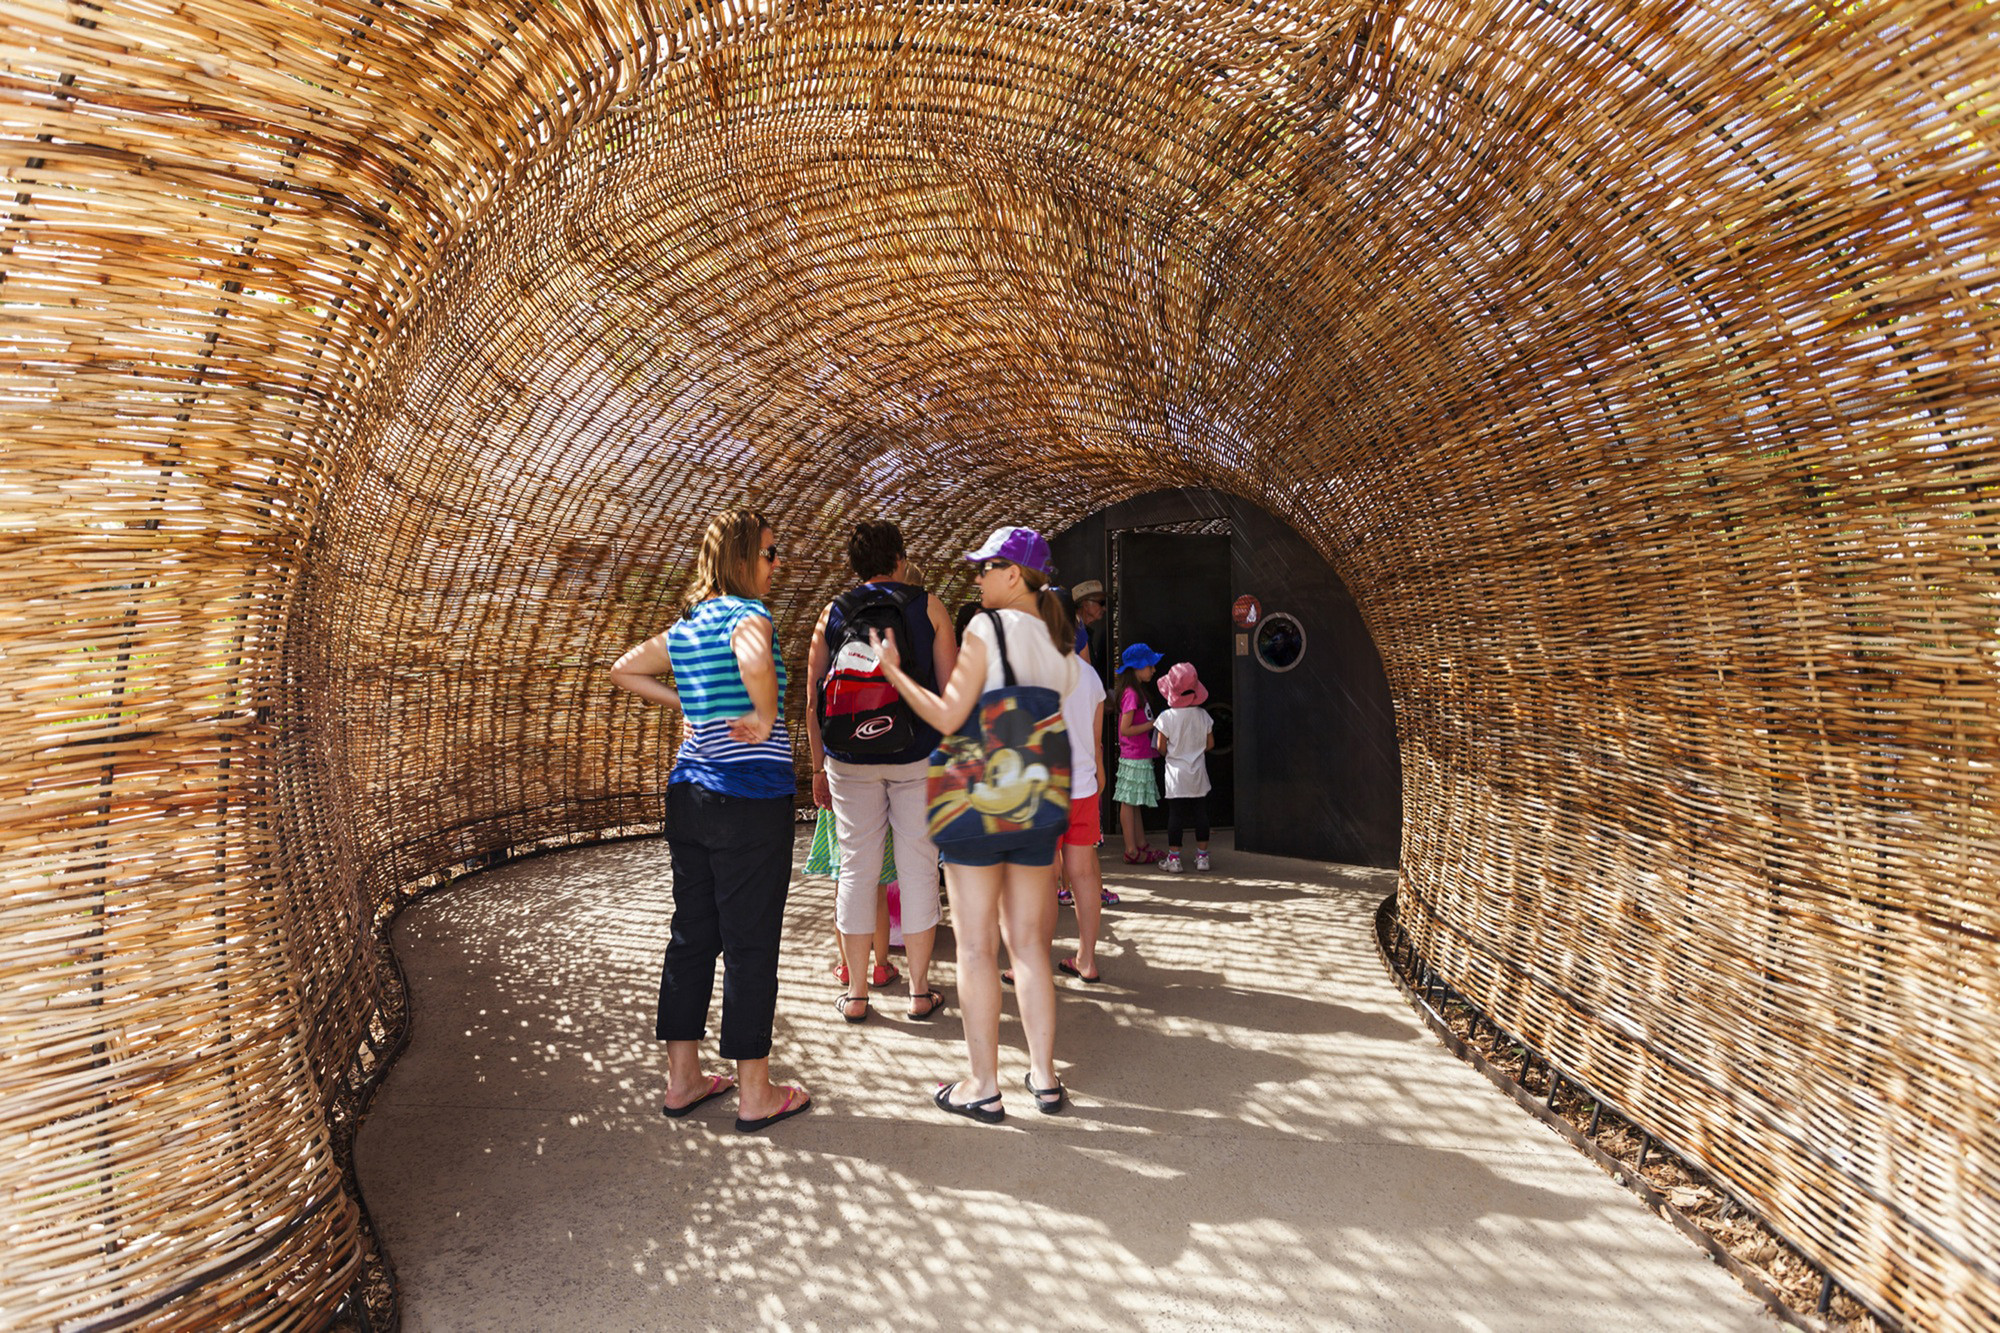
<point>785,1112</point>
<point>717,1085</point>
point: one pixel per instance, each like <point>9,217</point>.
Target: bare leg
<point>917,948</point>
<point>881,925</point>
<point>756,1096</point>
<point>974,893</point>
<point>1086,886</point>
<point>1028,904</point>
<point>1131,827</point>
<point>854,948</point>
<point>685,1081</point>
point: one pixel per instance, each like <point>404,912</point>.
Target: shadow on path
<point>1263,1137</point>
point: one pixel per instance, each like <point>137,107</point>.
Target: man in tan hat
<point>1089,598</point>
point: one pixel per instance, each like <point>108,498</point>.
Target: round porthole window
<point>1280,641</point>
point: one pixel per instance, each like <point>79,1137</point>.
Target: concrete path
<point>1263,1136</point>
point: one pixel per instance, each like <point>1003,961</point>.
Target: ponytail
<point>1061,628</point>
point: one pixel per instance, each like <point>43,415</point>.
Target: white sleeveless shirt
<point>1034,655</point>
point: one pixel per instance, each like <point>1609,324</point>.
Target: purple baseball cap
<point>1023,546</point>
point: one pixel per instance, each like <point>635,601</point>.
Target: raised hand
<point>886,649</point>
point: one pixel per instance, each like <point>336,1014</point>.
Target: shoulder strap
<point>855,598</point>
<point>1000,634</point>
<point>849,602</point>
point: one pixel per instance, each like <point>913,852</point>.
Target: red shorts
<point>1085,830</point>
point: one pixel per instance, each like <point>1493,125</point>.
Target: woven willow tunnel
<point>370,368</point>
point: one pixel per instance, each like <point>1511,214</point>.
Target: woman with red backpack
<point>1007,749</point>
<point>870,753</point>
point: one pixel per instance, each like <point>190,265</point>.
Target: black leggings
<point>732,860</point>
<point>1185,810</point>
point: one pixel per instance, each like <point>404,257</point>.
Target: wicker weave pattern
<point>369,370</point>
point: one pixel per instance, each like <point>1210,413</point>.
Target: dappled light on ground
<point>1262,1136</point>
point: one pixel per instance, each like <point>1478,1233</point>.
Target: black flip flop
<point>937,1003</point>
<point>1066,966</point>
<point>1059,1092</point>
<point>842,1000</point>
<point>717,1085</point>
<point>986,1110</point>
<point>785,1113</point>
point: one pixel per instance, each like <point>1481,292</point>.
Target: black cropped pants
<point>1185,810</point>
<point>732,859</point>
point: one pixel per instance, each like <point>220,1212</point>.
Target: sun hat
<point>1137,658</point>
<point>1088,590</point>
<point>1180,686</point>
<point>1024,546</point>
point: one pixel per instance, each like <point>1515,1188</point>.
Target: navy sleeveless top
<point>919,664</point>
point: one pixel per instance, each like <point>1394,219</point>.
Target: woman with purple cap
<point>1012,569</point>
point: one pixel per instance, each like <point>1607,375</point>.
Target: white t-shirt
<point>1079,709</point>
<point>1186,733</point>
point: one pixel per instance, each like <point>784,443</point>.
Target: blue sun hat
<point>1137,658</point>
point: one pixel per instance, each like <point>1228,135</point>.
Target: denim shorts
<point>1040,852</point>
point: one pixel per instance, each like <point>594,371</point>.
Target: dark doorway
<point>1312,768</point>
<point>1172,592</point>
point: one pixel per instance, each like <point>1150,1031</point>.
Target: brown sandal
<point>936,1003</point>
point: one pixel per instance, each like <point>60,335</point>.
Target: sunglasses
<point>985,567</point>
<point>771,553</point>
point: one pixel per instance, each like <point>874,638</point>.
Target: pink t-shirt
<point>1140,746</point>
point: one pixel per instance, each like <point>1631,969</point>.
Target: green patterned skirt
<point>1136,783</point>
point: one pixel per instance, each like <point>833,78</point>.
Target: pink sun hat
<point>1180,687</point>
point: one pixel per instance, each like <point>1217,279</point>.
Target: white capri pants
<point>869,801</point>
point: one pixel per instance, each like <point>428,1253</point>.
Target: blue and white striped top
<point>712,696</point>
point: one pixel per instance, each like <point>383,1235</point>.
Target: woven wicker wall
<point>370,370</point>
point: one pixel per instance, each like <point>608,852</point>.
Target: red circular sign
<point>1248,612</point>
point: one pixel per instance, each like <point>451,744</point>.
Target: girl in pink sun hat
<point>1187,734</point>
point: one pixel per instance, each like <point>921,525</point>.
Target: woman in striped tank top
<point>729,820</point>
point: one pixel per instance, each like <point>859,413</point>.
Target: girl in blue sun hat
<point>1136,786</point>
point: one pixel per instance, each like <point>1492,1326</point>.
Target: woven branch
<point>369,373</point>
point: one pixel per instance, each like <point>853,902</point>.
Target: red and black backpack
<point>860,713</point>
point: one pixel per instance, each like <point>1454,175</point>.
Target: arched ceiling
<point>976,243</point>
<point>1456,290</point>
<point>372,368</point>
